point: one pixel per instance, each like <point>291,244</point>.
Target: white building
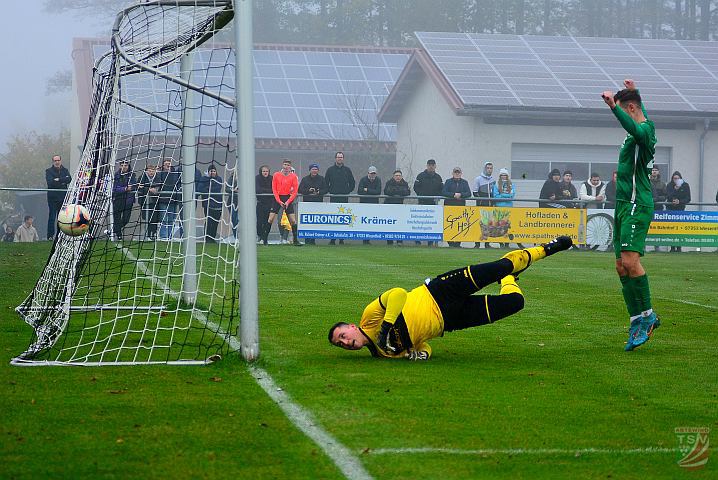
<point>533,103</point>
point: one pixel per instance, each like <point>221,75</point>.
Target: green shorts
<point>630,227</point>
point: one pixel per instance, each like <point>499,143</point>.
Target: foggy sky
<point>35,45</point>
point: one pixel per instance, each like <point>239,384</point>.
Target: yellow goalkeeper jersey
<point>415,322</point>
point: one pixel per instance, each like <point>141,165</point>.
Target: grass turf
<point>553,376</point>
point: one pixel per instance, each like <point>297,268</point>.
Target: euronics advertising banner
<point>367,221</point>
<point>518,225</point>
<point>690,229</point>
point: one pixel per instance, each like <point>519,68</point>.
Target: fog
<point>36,45</point>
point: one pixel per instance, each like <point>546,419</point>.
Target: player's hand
<point>416,355</point>
<point>629,84</point>
<point>384,342</point>
<point>608,98</point>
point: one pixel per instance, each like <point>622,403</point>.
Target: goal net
<point>154,278</point>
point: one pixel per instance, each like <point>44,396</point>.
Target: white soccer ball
<point>73,220</point>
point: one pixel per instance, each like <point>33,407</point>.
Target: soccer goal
<point>154,278</point>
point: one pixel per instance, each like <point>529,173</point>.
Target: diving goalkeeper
<point>399,324</point>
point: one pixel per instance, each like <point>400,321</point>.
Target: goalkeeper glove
<point>384,342</point>
<point>415,355</point>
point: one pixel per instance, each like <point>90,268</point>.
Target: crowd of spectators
<point>159,195</point>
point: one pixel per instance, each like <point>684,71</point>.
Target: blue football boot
<point>648,325</point>
<point>633,333</point>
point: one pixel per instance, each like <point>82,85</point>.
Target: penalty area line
<point>522,451</point>
<point>709,307</point>
<point>341,456</point>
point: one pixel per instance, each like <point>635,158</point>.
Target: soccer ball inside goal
<point>73,220</point>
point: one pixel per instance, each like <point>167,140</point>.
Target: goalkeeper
<point>399,324</point>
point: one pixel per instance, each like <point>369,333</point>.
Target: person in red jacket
<point>285,186</point>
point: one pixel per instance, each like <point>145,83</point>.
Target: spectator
<point>340,181</point>
<point>211,188</point>
<point>9,234</point>
<point>263,187</point>
<point>483,187</point>
<point>168,199</point>
<point>148,192</point>
<point>57,178</point>
<point>396,188</point>
<point>369,188</point>
<point>456,190</point>
<point>658,189</point>
<point>484,184</point>
<point>180,195</point>
<point>26,232</point>
<point>313,187</point>
<point>551,190</point>
<point>592,192</point>
<point>568,191</point>
<point>123,197</point>
<point>611,192</point>
<point>428,184</point>
<point>504,189</point>
<point>285,187</point>
<point>231,188</point>
<point>678,194</point>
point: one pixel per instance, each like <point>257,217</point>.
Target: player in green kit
<point>634,209</point>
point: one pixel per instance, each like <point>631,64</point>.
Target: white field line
<point>710,307</point>
<point>522,451</point>
<point>340,455</point>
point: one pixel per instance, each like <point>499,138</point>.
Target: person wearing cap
<point>568,190</point>
<point>312,188</point>
<point>428,184</point>
<point>551,190</point>
<point>456,191</point>
<point>396,189</point>
<point>369,189</point>
<point>123,197</point>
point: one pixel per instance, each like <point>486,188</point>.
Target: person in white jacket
<point>592,191</point>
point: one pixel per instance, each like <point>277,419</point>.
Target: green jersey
<point>635,160</point>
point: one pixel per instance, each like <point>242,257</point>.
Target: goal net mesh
<point>142,285</point>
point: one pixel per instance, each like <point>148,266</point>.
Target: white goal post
<point>166,172</point>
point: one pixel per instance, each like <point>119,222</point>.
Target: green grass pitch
<point>552,381</point>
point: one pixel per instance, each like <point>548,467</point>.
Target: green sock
<point>643,292</point>
<point>630,297</point>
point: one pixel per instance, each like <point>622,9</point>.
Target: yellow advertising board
<point>509,224</point>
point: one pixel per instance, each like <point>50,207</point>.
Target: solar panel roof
<point>298,94</point>
<point>526,71</point>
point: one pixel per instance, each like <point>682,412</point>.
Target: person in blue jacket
<point>503,188</point>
